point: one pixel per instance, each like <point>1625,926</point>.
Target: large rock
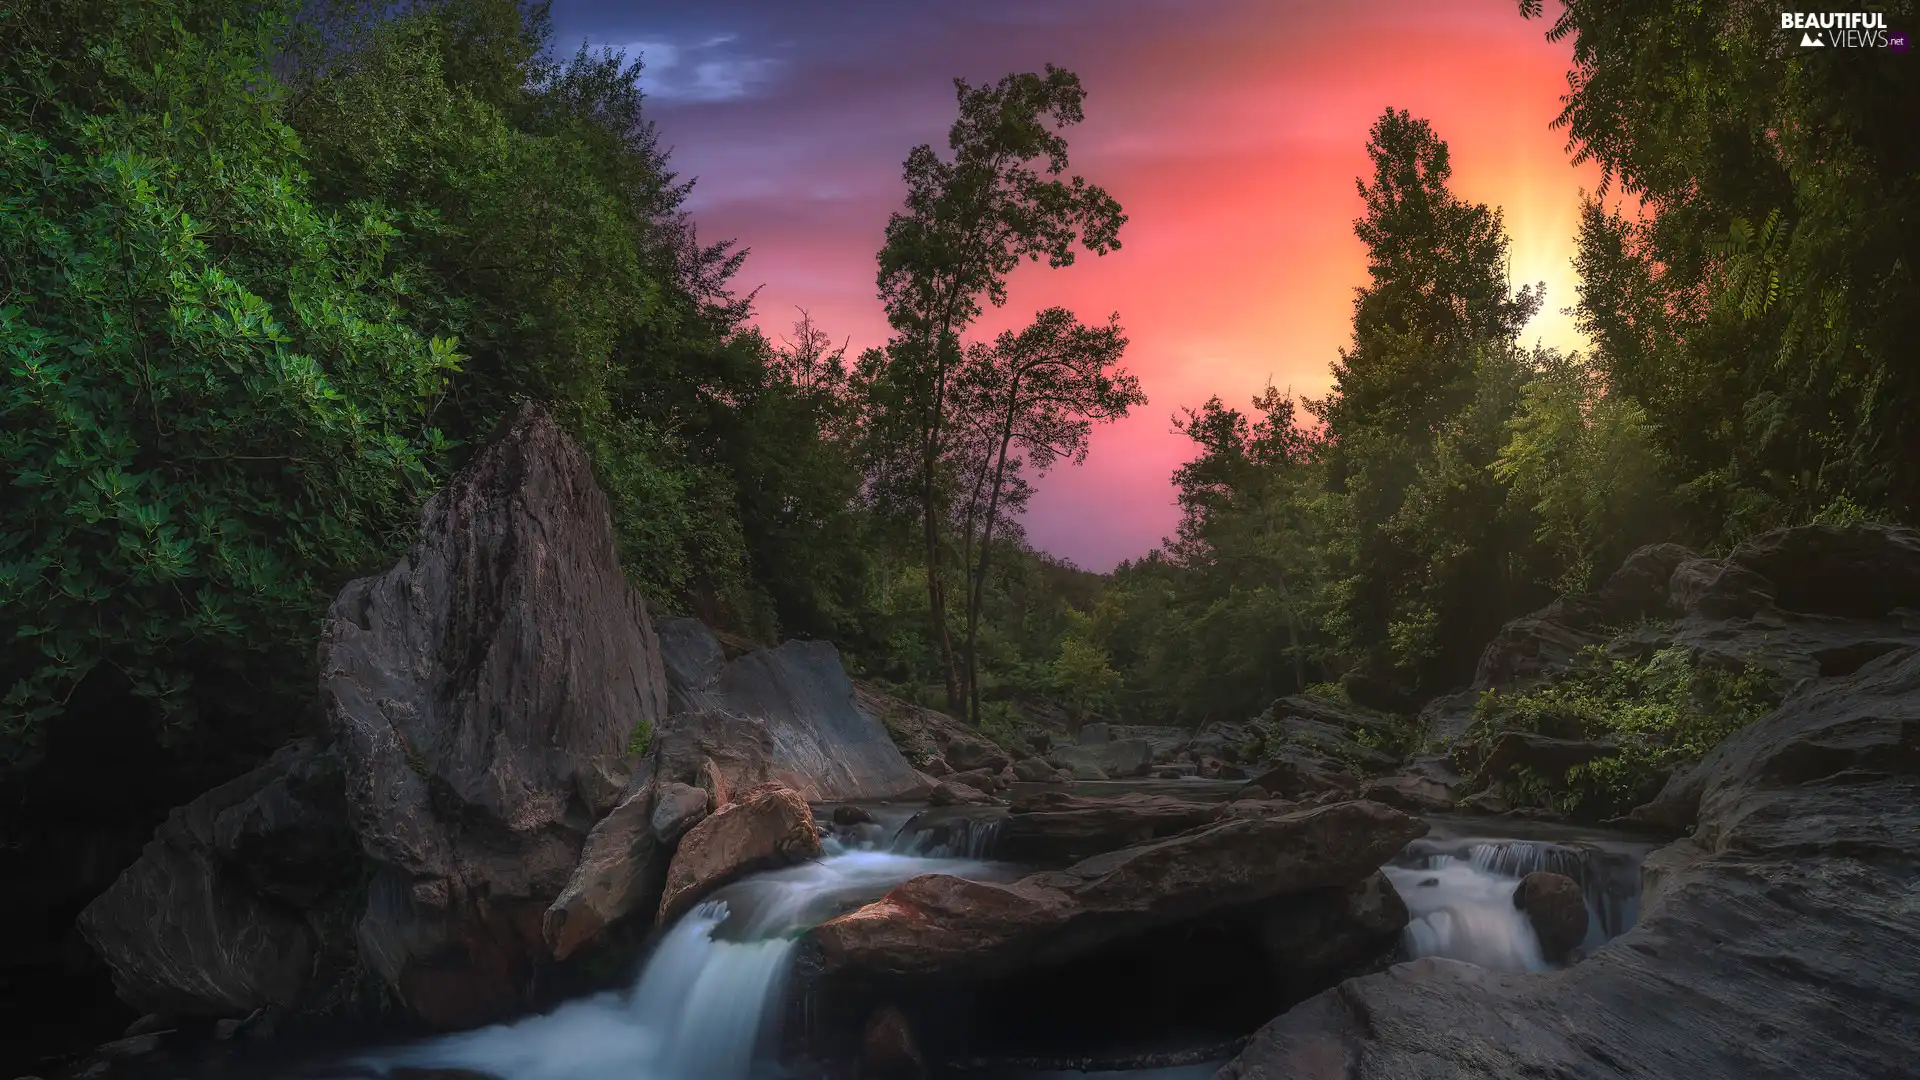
<point>211,920</point>
<point>1315,935</point>
<point>763,827</point>
<point>939,926</point>
<point>824,745</point>
<point>1859,571</point>
<point>1556,906</point>
<point>1777,943</point>
<point>1297,774</point>
<point>1056,829</point>
<point>484,693</point>
<point>698,762</point>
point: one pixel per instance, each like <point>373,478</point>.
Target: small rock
<point>1557,907</point>
<point>1167,774</point>
<point>1428,883</point>
<point>1095,734</point>
<point>889,1050</point>
<point>136,1046</point>
<point>95,1071</point>
<point>937,767</point>
<point>1486,802</point>
<point>1033,770</point>
<point>954,793</point>
<point>677,808</point>
<point>981,779</point>
<point>1087,771</point>
<point>851,815</point>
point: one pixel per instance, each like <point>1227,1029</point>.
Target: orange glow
<point>1235,155</point>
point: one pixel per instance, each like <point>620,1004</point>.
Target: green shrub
<point>1663,712</point>
<point>641,740</point>
<point>213,406</point>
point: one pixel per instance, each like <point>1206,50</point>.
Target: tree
<point>1760,305</point>
<point>968,222</point>
<point>1030,399</point>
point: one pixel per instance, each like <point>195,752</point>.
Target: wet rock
<point>1085,771</point>
<point>953,793</point>
<point>888,1050</point>
<point>1777,942</point>
<point>1556,905</point>
<point>846,816</point>
<point>1115,758</point>
<point>194,929</point>
<point>483,693</point>
<point>1056,829</point>
<point>1297,774</point>
<point>763,827</point>
<point>1033,771</point>
<point>825,745</point>
<point>943,926</point>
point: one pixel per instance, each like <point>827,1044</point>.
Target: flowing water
<point>707,1002</point>
<point>1459,894</point>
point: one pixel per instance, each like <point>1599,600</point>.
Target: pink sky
<point>1232,139</point>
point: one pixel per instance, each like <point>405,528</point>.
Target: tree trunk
<point>977,594</point>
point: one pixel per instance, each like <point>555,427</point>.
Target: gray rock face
<point>824,745</point>
<point>1778,943</point>
<point>483,693</point>
<point>210,920</point>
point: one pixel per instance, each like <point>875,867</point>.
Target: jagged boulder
<point>212,919</point>
<point>1777,942</point>
<point>939,926</point>
<point>484,693</point>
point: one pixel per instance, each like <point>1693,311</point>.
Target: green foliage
<point>1761,306</point>
<point>1663,713</point>
<point>641,740</point>
<point>215,403</point>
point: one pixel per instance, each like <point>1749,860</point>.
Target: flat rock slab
<point>940,926</point>
<point>1778,944</point>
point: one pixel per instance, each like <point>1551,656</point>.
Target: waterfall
<point>949,838</point>
<point>1460,904</point>
<point>708,1001</point>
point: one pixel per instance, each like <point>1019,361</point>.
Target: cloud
<point>700,72</point>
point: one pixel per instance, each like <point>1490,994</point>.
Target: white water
<point>708,1001</point>
<point>1462,908</point>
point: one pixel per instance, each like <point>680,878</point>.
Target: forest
<point>270,272</point>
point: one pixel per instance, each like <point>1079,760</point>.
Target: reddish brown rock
<point>888,1050</point>
<point>762,827</point>
<point>1557,907</point>
<point>943,926</point>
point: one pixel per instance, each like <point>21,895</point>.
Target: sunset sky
<point>1230,130</point>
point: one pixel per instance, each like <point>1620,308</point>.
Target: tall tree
<point>968,222</point>
<point>1031,400</point>
<point>1760,303</point>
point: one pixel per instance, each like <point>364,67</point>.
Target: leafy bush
<point>1663,712</point>
<point>214,406</point>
